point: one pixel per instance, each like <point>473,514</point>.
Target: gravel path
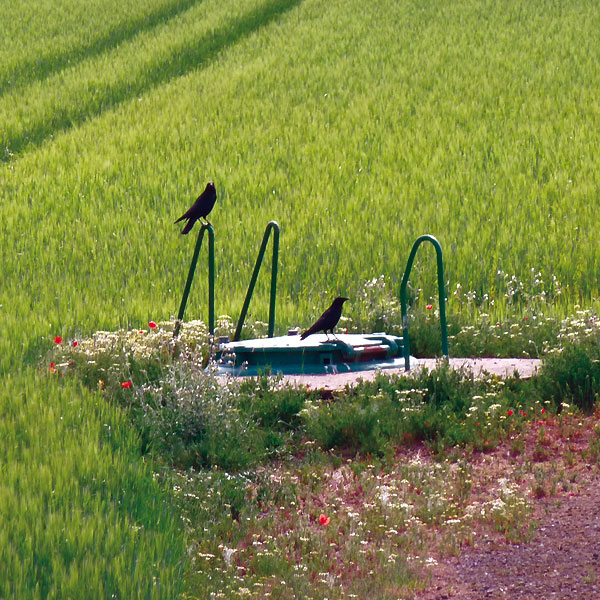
<point>562,562</point>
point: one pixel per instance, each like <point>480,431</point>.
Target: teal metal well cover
<point>317,354</point>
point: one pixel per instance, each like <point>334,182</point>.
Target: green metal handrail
<point>211,279</point>
<point>441,293</point>
<point>274,227</point>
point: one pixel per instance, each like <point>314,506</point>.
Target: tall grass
<point>126,66</point>
<point>356,129</point>
<point>80,513</point>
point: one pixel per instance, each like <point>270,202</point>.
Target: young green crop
<point>80,513</point>
<point>356,129</point>
<point>57,35</point>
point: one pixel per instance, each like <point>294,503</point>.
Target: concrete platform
<point>502,367</point>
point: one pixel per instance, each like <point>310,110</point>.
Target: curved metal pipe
<point>441,294</point>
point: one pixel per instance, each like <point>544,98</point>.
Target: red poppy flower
<point>57,339</point>
<point>126,384</point>
<point>509,413</point>
<point>75,344</point>
<point>152,325</point>
<point>543,410</point>
<point>324,520</point>
<point>429,306</point>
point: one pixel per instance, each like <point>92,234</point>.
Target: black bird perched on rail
<point>328,320</point>
<point>200,209</point>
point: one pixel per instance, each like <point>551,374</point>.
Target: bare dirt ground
<point>562,560</point>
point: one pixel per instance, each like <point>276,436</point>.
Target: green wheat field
<point>357,126</point>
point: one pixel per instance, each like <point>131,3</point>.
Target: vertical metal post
<point>274,227</point>
<point>211,279</point>
<point>274,266</point>
<point>441,296</point>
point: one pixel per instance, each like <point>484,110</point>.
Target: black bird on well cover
<point>200,209</point>
<point>328,320</point>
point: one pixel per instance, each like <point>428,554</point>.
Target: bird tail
<point>307,333</point>
<point>188,227</point>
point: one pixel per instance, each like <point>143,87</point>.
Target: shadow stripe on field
<point>42,67</point>
<point>155,73</point>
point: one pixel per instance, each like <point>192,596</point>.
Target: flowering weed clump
<point>513,319</point>
<point>111,360</point>
<point>141,356</point>
<point>181,410</point>
<point>571,372</point>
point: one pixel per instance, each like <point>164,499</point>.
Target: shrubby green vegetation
<point>225,438</point>
<point>184,411</point>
